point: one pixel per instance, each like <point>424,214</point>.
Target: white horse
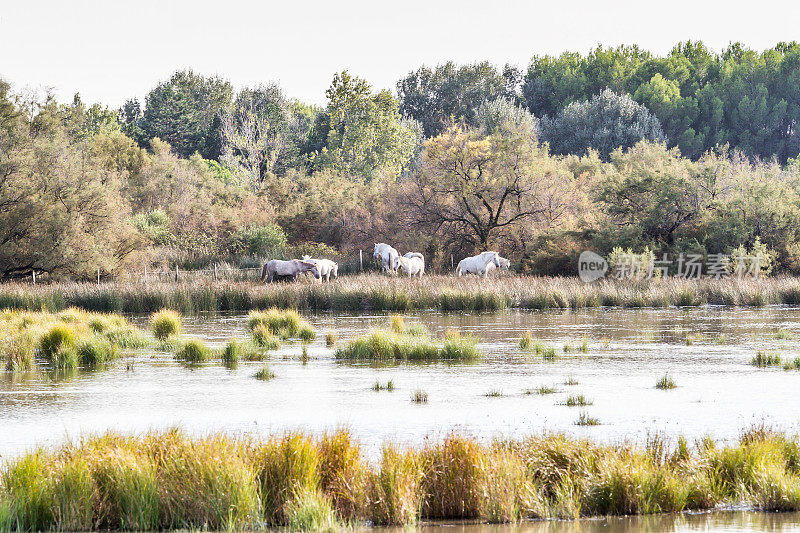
<point>326,267</point>
<point>388,257</point>
<point>292,268</point>
<point>480,264</point>
<point>413,264</point>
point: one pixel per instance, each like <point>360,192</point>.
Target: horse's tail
<point>264,272</point>
<point>459,271</point>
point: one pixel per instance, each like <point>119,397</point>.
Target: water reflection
<point>722,521</point>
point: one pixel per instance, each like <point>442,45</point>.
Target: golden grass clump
<point>166,324</point>
<point>283,323</point>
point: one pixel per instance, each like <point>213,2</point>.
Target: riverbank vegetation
<point>173,481</point>
<point>692,152</point>
<point>374,292</point>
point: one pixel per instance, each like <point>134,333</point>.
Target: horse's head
<point>335,270</point>
<point>505,264</point>
<point>496,260</point>
<point>312,267</point>
<point>375,252</point>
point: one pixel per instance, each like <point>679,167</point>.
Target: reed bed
<point>378,292</point>
<point>172,481</point>
<point>63,340</point>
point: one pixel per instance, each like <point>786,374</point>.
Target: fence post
<point>98,276</point>
<point>215,272</point>
<point>452,262</point>
<point>361,260</point>
<point>145,273</point>
<point>176,273</point>
<point>34,276</point>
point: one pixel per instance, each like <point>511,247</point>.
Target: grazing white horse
<point>480,264</point>
<point>413,264</point>
<point>505,264</point>
<point>388,257</point>
<point>326,267</point>
<point>292,268</point>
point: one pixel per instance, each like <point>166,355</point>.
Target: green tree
<point>607,122</point>
<point>184,112</point>
<point>450,92</point>
<point>367,136</point>
<point>61,210</point>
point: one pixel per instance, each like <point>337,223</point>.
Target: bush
<point>263,241</point>
<point>154,225</point>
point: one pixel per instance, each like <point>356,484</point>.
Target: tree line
<point>693,152</point>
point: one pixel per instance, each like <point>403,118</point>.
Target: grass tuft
<point>264,374</point>
<point>577,400</point>
<point>387,345</point>
<point>165,324</point>
<point>194,351</point>
<point>764,359</point>
<point>585,420</point>
<point>419,396</point>
<point>665,383</point>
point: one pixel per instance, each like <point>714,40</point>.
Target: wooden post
<point>452,262</point>
<point>215,272</point>
<point>34,276</point>
<point>145,273</point>
<point>98,276</point>
<point>176,273</point>
<point>361,260</point>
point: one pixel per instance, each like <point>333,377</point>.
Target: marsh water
<point>707,352</point>
<point>719,521</point>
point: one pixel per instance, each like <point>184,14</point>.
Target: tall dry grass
<point>385,293</point>
<point>172,481</point>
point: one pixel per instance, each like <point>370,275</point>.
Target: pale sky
<point>110,50</point>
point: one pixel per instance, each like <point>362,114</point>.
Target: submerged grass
<point>378,386</point>
<point>577,400</point>
<point>764,359</point>
<point>585,420</point>
<point>172,481</point>
<point>264,374</point>
<point>376,292</point>
<point>666,383</point>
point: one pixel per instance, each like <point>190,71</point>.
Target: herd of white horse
<point>389,260</point>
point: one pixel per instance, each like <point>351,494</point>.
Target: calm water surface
<point>718,392</point>
<point>718,521</point>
